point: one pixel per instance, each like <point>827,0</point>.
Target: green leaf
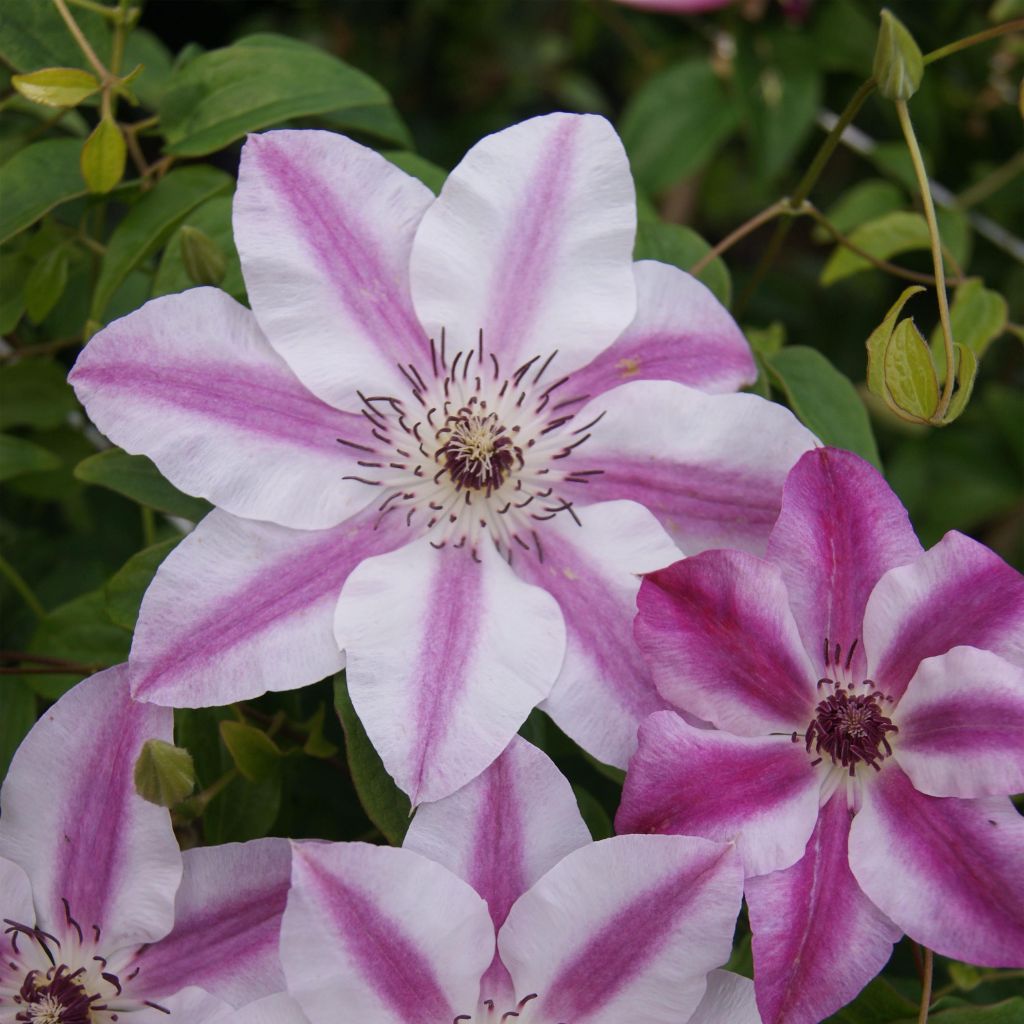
<point>385,804</point>
<point>866,201</point>
<point>899,65</point>
<point>825,400</point>
<point>17,716</point>
<point>978,316</point>
<point>15,267</point>
<point>142,47</point>
<point>317,745</point>
<point>33,35</point>
<point>203,259</point>
<point>46,283</point>
<point>909,372</point>
<point>164,774</point>
<point>966,372</point>
<point>1009,1011</point>
<point>766,341</point>
<point>256,82</point>
<point>213,218</point>
<point>35,180</point>
<point>595,816</point>
<point>883,237</point>
<point>675,123</point>
<point>382,122</point>
<point>136,477</point>
<point>56,87</point>
<point>682,247</point>
<point>419,167</point>
<point>34,393</point>
<point>150,222</point>
<point>103,156</point>
<point>878,1003</point>
<point>18,457</point>
<point>255,754</point>
<point>878,342</point>
<point>124,590</point>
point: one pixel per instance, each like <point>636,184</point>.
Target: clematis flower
<point>104,919</point>
<point>869,704</point>
<point>593,933</point>
<point>465,415</point>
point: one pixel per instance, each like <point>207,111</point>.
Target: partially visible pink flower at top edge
<point>104,918</point>
<point>473,417</point>
<point>629,928</point>
<point>677,6</point>
<point>869,704</point>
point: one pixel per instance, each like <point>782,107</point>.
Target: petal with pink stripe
<point>531,241</point>
<point>681,332</point>
<point>190,381</point>
<point>500,833</point>
<point>957,593</point>
<point>324,228</point>
<point>87,837</point>
<point>717,631</point>
<point>446,656</point>
<point>17,896</point>
<point>729,999</point>
<point>818,940</point>
<point>625,929</point>
<point>241,607</point>
<point>761,794</point>
<point>382,935</point>
<point>605,688</point>
<point>710,467</point>
<point>840,530</point>
<point>227,924</point>
<point>949,872</point>
<point>961,725</point>
<point>276,1009</point>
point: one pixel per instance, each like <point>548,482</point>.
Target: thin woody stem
<point>83,43</point>
<point>1017,25</point>
<point>767,214</point>
<point>926,986</point>
<point>936,246</point>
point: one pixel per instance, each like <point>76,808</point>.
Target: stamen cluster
<point>475,453</point>
<point>491,1012</point>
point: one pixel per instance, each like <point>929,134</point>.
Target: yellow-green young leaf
<point>103,157</point>
<point>255,754</point>
<point>884,237</point>
<point>317,745</point>
<point>164,773</point>
<point>766,341</point>
<point>56,87</point>
<point>46,283</point>
<point>204,259</point>
<point>978,316</point>
<point>909,372</point>
<point>878,342</point>
<point>966,371</point>
<point>899,65</point>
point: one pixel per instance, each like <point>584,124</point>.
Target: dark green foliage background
<point>718,113</point>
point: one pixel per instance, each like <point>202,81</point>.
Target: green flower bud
<point>899,65</point>
<point>164,773</point>
<point>204,259</point>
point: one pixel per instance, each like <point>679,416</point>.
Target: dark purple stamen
<point>851,730</point>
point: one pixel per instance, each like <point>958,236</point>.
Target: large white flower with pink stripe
<point>104,919</point>
<point>631,928</point>
<point>473,417</point>
<point>870,702</point>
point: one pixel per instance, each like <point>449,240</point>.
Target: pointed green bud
<point>899,65</point>
<point>164,774</point>
<point>204,259</point>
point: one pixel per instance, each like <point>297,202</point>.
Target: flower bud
<point>203,258</point>
<point>164,774</point>
<point>899,65</point>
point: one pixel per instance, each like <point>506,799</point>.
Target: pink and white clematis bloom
<point>465,415</point>
<point>594,933</point>
<point>870,702</point>
<point>104,919</point>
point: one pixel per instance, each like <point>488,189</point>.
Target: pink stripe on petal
<point>949,872</point>
<point>227,924</point>
<point>445,659</point>
<point>681,332</point>
<point>818,940</point>
<point>241,607</point>
<point>190,381</point>
<point>634,921</point>
<point>840,530</point>
<point>90,839</point>
<point>324,228</point>
<point>381,935</point>
<point>605,688</point>
<point>718,634</point>
<point>531,241</point>
<point>710,467</point>
<point>760,793</point>
<point>957,593</point>
<point>961,725</point>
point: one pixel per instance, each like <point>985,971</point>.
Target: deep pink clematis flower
<point>521,414</point>
<point>594,933</point>
<point>104,919</point>
<point>870,702</point>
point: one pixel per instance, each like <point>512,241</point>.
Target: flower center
<point>56,997</point>
<point>474,452</point>
<point>491,1014</point>
<point>850,725</point>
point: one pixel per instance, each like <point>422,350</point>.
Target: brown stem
<point>767,214</point>
<point>83,44</point>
